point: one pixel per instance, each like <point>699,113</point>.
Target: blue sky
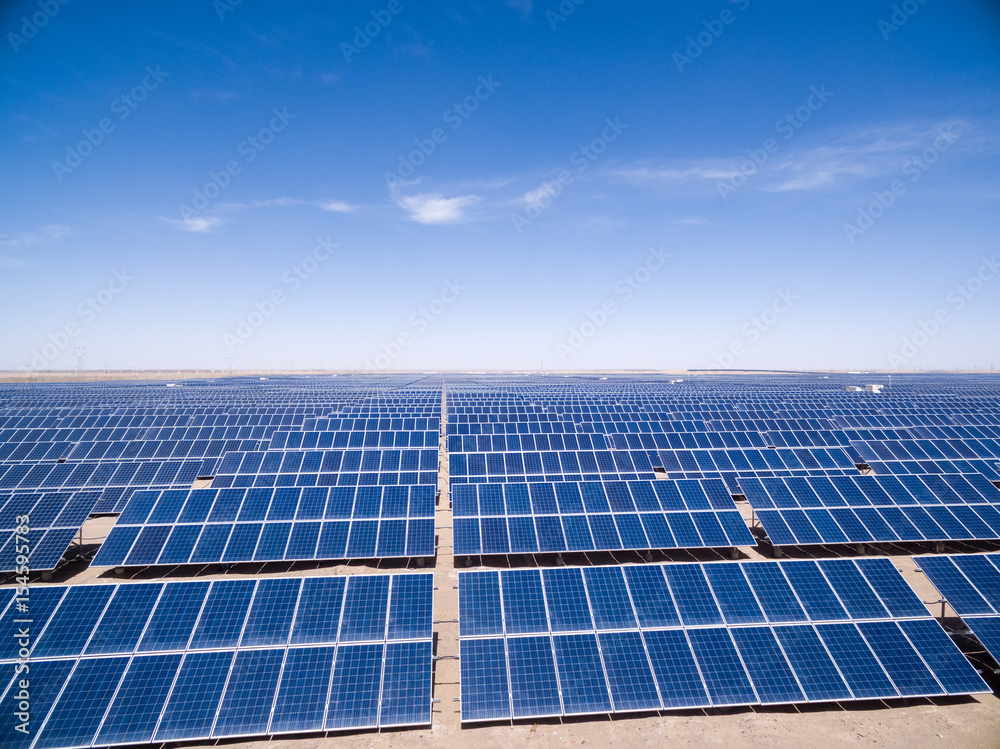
<point>406,185</point>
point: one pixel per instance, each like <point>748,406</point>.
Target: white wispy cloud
<point>204,224</point>
<point>199,224</point>
<point>804,164</point>
<point>679,172</point>
<point>337,206</point>
<point>542,194</point>
<point>46,234</point>
<point>862,154</point>
<point>434,208</point>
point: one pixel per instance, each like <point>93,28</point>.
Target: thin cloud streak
<point>47,234</point>
<point>861,154</point>
<point>434,208</point>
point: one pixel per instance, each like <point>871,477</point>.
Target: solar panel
<point>223,658</point>
<point>271,524</point>
<point>354,438</point>
<point>584,640</point>
<point>631,464</point>
<point>970,583</point>
<point>328,468</point>
<point>38,527</point>
<point>594,516</point>
<point>74,474</point>
<point>860,509</point>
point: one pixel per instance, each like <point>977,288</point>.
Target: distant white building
<point>853,389</point>
<point>874,388</point>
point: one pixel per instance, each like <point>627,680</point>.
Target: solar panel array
<point>66,445</point>
<point>857,509</point>
<point>156,662</point>
<point>37,527</point>
<point>261,525</point>
<point>629,465</point>
<point>341,467</point>
<point>328,468</point>
<point>971,585</point>
<point>594,516</point>
<point>572,641</point>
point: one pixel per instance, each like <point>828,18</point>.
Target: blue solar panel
<point>587,516</point>
<point>41,526</point>
<point>301,700</point>
<point>141,662</point>
<point>971,585</point>
<point>570,640</point>
<point>766,665</point>
<point>194,699</point>
<point>815,669</point>
<point>136,708</point>
<point>246,704</point>
<point>630,676</point>
<point>725,677</point>
<point>858,509</point>
<point>407,684</point>
<point>987,631</point>
<point>523,603</point>
<point>534,685</point>
<point>271,524</point>
<point>484,677</point>
<point>581,673</point>
<point>47,677</point>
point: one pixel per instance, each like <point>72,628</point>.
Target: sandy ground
<point>952,723</point>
